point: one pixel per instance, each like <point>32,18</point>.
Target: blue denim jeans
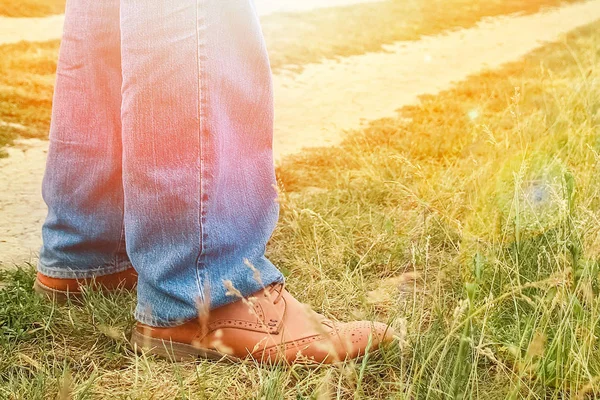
<point>161,152</point>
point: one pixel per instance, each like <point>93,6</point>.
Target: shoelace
<point>320,318</point>
<point>281,286</point>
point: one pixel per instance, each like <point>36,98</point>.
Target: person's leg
<point>83,233</point>
<point>200,196</point>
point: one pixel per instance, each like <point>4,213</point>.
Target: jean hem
<point>159,322</point>
<point>68,272</point>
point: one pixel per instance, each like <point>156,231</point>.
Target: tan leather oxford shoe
<point>271,327</point>
<point>62,289</point>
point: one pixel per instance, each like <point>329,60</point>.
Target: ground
<point>31,8</point>
<point>27,69</point>
<point>469,222</point>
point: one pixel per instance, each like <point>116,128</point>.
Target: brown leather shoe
<point>271,327</point>
<point>62,289</point>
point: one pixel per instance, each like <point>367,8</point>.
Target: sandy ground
<point>266,7</point>
<point>13,30</point>
<point>313,108</point>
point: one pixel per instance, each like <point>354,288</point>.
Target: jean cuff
<point>158,322</point>
<point>120,264</point>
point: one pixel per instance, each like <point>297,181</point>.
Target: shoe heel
<point>57,296</point>
<point>143,344</point>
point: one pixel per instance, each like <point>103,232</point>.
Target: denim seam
<point>121,236</point>
<point>200,23</point>
<point>66,272</point>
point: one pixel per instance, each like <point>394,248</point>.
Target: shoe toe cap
<point>358,336</point>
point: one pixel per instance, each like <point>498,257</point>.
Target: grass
<point>27,74</point>
<point>31,8</point>
<point>293,39</point>
<point>470,222</point>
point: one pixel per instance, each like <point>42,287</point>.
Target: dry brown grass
<point>31,8</point>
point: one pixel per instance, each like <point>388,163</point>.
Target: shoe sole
<point>58,296</point>
<point>175,351</point>
<point>63,297</point>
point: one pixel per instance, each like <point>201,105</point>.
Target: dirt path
<point>13,30</point>
<point>314,107</point>
<point>266,7</point>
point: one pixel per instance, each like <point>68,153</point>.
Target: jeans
<point>161,153</point>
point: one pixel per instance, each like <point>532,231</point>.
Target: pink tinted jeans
<point>161,152</point>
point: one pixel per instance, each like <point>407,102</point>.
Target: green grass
<point>490,192</point>
<point>27,69</point>
<point>83,351</point>
<point>470,223</point>
<point>31,8</point>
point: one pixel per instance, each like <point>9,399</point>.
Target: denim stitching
<point>121,238</point>
<point>156,321</point>
<point>66,272</point>
<point>200,23</point>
